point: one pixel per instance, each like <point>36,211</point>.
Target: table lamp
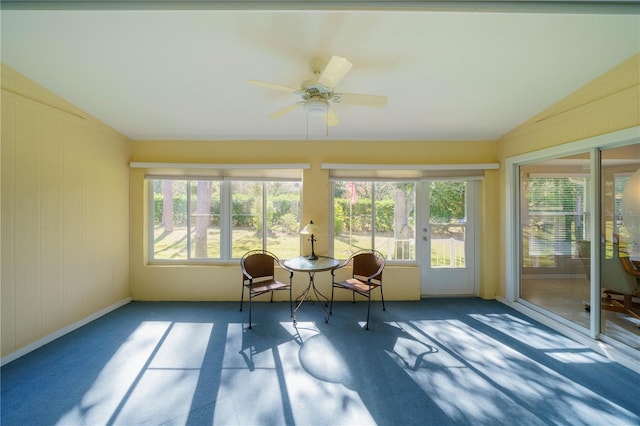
<point>311,228</point>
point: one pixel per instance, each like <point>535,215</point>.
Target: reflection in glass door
<point>556,241</point>
<point>620,244</point>
<point>554,220</point>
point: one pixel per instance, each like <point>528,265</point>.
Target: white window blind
<point>555,213</point>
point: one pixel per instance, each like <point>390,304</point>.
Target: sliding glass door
<point>554,218</point>
<point>620,244</point>
<point>579,240</point>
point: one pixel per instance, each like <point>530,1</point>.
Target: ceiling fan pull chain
<point>327,123</point>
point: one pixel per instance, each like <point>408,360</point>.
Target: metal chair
<point>258,276</point>
<point>366,277</point>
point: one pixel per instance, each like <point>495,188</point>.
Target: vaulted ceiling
<point>175,73</point>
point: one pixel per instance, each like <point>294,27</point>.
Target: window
<point>197,220</point>
<point>554,217</point>
<point>265,215</point>
<point>448,223</point>
<point>374,214</point>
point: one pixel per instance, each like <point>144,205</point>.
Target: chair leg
<point>628,306</point>
<point>249,308</point>
<point>368,310</point>
<point>382,296</point>
<point>241,298</point>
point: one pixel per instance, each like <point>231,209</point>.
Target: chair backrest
<point>258,264</point>
<point>367,263</point>
<point>615,278</point>
<point>584,252</point>
<point>612,271</point>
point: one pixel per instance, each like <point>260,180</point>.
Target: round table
<point>311,266</point>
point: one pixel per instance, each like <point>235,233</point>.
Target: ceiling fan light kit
<point>318,92</point>
<point>316,107</point>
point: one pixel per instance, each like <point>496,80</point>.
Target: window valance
<point>210,170</point>
<point>407,171</point>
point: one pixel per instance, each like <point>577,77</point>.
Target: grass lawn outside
<point>173,246</point>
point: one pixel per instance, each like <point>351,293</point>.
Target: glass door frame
<point>513,241</point>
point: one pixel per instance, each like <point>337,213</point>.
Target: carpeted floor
<point>434,362</point>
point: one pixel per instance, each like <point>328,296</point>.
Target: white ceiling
<point>180,74</point>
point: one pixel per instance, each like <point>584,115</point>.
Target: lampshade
<point>311,228</point>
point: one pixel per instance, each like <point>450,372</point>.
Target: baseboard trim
<point>61,332</point>
<point>610,350</point>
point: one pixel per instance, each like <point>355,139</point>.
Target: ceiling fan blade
<point>331,118</point>
<point>285,110</point>
<point>273,86</point>
<point>335,70</point>
<point>364,100</point>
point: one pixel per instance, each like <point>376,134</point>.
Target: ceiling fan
<point>318,92</point>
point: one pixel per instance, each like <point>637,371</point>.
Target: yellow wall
<point>65,223</point>
<point>606,104</point>
<point>67,250</point>
<point>160,282</point>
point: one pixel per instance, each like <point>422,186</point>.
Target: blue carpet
<point>433,362</point>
